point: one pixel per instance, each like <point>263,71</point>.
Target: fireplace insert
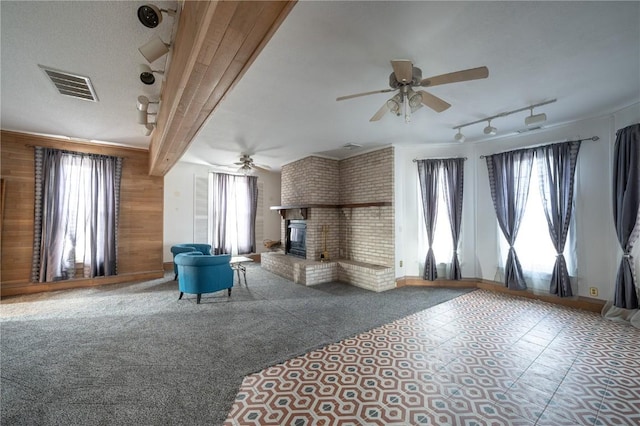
<point>296,238</point>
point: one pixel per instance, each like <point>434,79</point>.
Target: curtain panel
<point>509,176</point>
<point>556,177</point>
<point>428,175</point>
<point>77,199</point>
<point>626,206</point>
<point>234,210</point>
<point>453,169</point>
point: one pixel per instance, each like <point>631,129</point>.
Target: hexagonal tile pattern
<point>481,359</point>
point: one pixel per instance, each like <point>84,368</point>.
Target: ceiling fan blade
<point>454,77</point>
<point>403,69</point>
<point>378,115</point>
<point>342,98</point>
<point>262,167</point>
<point>433,102</point>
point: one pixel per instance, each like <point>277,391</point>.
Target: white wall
<point>179,206</point>
<point>598,252</point>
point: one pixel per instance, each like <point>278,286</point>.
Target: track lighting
<point>154,49</point>
<point>490,130</point>
<point>535,119</point>
<point>531,120</point>
<point>143,103</point>
<point>142,106</point>
<point>146,74</point>
<point>148,128</point>
<point>150,15</point>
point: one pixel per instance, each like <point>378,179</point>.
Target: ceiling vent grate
<point>73,85</point>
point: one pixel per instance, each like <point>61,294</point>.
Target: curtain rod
<point>415,160</point>
<point>68,151</point>
<point>593,138</point>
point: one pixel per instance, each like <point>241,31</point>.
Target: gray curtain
<point>239,194</point>
<point>221,198</point>
<point>556,172</point>
<point>626,202</point>
<point>247,240</point>
<point>509,176</point>
<point>76,214</point>
<point>454,182</point>
<point>428,175</point>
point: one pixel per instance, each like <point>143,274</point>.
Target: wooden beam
<point>216,43</point>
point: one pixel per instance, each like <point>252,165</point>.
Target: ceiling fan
<point>247,165</point>
<point>405,77</point>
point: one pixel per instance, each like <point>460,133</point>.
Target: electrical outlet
<point>401,263</point>
<point>593,291</point>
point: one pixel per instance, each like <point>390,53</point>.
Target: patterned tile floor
<point>480,359</point>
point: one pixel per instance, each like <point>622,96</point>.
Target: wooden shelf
<point>303,208</point>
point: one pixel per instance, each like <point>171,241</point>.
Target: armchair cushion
<point>203,273</point>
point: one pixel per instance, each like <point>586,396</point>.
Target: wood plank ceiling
<point>215,44</point>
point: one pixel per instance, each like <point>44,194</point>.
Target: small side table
<point>237,265</point>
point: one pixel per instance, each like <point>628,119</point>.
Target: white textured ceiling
<point>585,54</point>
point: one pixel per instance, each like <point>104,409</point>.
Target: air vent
<point>351,146</point>
<point>73,85</point>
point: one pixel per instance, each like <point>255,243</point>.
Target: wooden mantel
<point>216,42</point>
<point>303,208</point>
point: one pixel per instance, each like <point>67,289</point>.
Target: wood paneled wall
<point>140,223</point>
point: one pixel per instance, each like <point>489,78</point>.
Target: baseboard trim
<point>577,302</point>
<point>19,288</point>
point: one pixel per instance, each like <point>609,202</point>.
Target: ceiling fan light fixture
<point>415,100</point>
<point>490,130</point>
<point>459,137</point>
<point>394,104</point>
<point>246,170</point>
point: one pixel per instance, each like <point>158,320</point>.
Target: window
<point>533,245</point>
<point>77,203</point>
<point>232,213</point>
<point>442,240</point>
<point>440,198</point>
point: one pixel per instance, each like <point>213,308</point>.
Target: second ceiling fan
<point>405,77</point>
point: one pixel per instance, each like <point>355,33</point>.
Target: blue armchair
<point>202,273</point>
<point>186,248</point>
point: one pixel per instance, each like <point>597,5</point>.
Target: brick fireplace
<point>347,206</point>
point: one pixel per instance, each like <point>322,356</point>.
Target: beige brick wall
<point>368,233</point>
<point>367,177</point>
<point>312,180</point>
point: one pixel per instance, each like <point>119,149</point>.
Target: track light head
<point>535,119</point>
<point>142,117</point>
<point>143,103</point>
<point>146,74</point>
<point>459,137</point>
<point>150,15</point>
<point>490,130</point>
<point>154,49</point>
<point>148,129</point>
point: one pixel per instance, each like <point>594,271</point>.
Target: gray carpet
<point>133,354</point>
